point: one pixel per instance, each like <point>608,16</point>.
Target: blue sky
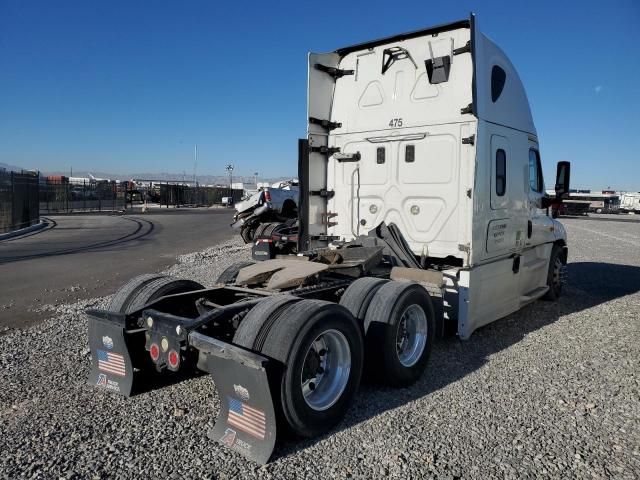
<point>126,86</point>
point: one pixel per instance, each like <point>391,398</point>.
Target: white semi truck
<point>422,212</point>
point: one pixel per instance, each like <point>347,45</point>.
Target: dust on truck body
<point>422,212</point>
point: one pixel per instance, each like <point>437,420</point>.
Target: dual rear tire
<point>320,346</point>
<point>144,289</point>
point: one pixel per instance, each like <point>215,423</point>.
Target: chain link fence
<point>24,196</point>
<point>61,196</point>
<point>183,195</point>
<point>18,200</point>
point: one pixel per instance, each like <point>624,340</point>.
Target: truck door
<point>539,233</point>
<point>501,228</point>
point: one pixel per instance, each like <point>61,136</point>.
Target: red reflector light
<point>267,196</point>
<point>174,359</point>
<point>155,352</point>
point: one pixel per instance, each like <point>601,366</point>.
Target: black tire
<point>246,233</point>
<point>554,274</point>
<point>248,230</point>
<point>122,298</point>
<point>359,295</point>
<point>255,327</point>
<point>272,228</point>
<point>260,230</point>
<point>230,273</point>
<point>290,339</point>
<point>159,288</point>
<point>383,321</point>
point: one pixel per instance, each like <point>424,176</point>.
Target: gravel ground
<point>551,391</point>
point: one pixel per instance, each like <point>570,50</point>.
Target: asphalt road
<point>87,256</point>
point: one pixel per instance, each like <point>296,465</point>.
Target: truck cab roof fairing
<point>445,27</point>
<point>511,108</point>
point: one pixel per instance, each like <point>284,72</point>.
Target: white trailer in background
<point>598,202</point>
<point>422,210</point>
<point>630,203</point>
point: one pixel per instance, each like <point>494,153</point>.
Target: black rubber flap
<point>111,365</point>
<point>246,421</point>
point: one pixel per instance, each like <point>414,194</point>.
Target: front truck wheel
<point>557,266</point>
<point>399,327</point>
<point>320,346</point>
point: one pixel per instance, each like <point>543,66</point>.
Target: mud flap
<point>246,421</point>
<point>111,363</point>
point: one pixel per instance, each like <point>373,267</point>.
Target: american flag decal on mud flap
<point>111,363</point>
<point>247,419</point>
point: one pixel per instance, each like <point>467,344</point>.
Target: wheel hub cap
<point>411,337</point>
<point>326,368</point>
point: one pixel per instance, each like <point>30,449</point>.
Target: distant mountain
<point>169,177</point>
<point>11,168</point>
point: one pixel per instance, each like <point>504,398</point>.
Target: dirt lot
<point>549,392</point>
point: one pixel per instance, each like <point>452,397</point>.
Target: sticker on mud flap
<point>112,363</point>
<point>107,341</point>
<point>104,382</point>
<point>231,440</point>
<point>228,438</point>
<point>241,392</point>
<point>248,419</point>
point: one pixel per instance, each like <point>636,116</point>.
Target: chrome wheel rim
<point>325,371</point>
<point>411,337</point>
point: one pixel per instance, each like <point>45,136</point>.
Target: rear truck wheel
<point>255,327</point>
<point>400,327</point>
<point>555,274</point>
<point>265,230</point>
<point>230,273</point>
<point>320,346</point>
<point>120,360</point>
<point>121,299</point>
<point>358,296</point>
<point>260,230</point>
<point>159,288</point>
<point>272,228</point>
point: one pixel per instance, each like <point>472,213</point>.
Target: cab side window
<point>501,172</point>
<point>536,181</point>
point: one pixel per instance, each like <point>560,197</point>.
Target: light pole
<point>195,165</point>
<point>230,170</point>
